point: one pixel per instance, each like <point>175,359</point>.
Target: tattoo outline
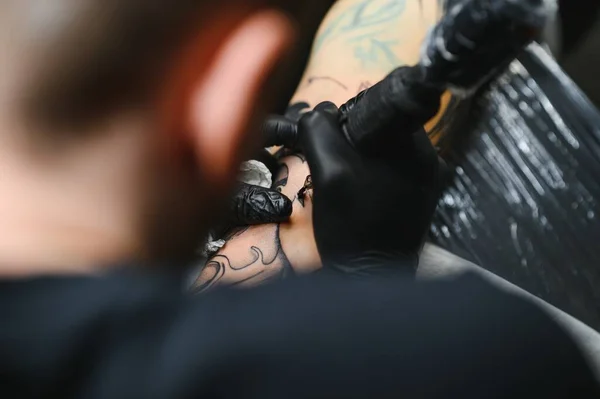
<point>219,266</point>
<point>312,79</point>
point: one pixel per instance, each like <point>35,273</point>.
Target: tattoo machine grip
<point>474,41</point>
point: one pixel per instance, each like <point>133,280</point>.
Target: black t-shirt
<point>137,336</point>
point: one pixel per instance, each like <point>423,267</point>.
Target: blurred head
<point>154,101</point>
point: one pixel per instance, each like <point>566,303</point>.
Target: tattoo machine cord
<point>474,41</point>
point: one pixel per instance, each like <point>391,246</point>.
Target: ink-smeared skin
<point>363,26</point>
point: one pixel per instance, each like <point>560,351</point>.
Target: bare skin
<point>358,44</point>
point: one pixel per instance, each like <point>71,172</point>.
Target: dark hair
<point>111,56</point>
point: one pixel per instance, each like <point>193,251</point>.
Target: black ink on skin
<point>283,181</point>
<point>286,266</point>
<point>298,155</point>
<point>312,79</point>
<point>304,190</point>
<point>218,273</point>
<point>300,197</point>
<point>286,152</point>
<point>247,279</point>
<point>221,263</point>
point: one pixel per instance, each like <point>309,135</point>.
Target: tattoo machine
<point>476,40</point>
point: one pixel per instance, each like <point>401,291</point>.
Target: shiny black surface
<point>524,201</point>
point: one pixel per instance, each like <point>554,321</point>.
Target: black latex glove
<point>282,130</point>
<point>256,205</point>
<point>371,212</point>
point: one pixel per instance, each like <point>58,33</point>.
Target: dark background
<point>581,44</point>
<point>525,201</point>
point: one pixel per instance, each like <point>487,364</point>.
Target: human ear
<point>226,102</point>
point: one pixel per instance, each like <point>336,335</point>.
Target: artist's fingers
<point>319,131</point>
<point>350,104</point>
<point>258,205</point>
<point>279,130</point>
<point>294,111</point>
<point>327,107</point>
<point>323,143</point>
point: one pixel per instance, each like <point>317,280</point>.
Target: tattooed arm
<point>359,42</point>
<point>262,253</point>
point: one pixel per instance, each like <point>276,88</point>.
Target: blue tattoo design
<point>367,13</point>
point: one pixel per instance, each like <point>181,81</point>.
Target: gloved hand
<point>252,204</point>
<point>371,212</point>
<point>283,130</point>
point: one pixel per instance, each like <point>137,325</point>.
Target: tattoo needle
<point>302,192</point>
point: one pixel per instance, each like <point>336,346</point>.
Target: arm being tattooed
<point>257,254</point>
<point>262,261</point>
<point>359,42</point>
